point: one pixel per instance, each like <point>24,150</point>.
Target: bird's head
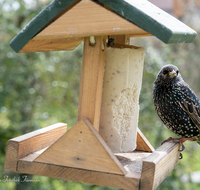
<point>168,75</point>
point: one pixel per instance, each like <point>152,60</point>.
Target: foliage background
<point>40,89</point>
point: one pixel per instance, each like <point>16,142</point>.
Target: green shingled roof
<point>140,12</point>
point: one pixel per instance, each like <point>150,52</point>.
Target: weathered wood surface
<point>82,147</point>
<point>158,165</point>
<point>27,165</point>
<point>24,145</point>
<point>91,83</point>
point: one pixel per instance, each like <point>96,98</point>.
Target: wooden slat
<point>27,165</point>
<point>88,18</point>
<point>23,145</point>
<point>140,35</point>
<point>47,44</point>
<point>142,143</point>
<point>91,83</point>
<point>158,165</point>
<point>82,147</point>
<point>131,161</point>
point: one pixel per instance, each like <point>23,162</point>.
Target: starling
<point>177,105</point>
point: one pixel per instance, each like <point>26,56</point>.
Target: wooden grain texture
<point>158,165</point>
<point>132,162</point>
<point>142,143</point>
<point>11,156</point>
<point>47,44</point>
<point>26,165</point>
<point>87,18</point>
<point>46,16</point>
<point>153,20</point>
<point>23,145</point>
<point>91,83</point>
<point>82,147</point>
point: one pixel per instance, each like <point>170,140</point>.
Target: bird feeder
<point>87,152</point>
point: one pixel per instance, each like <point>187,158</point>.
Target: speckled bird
<point>177,105</point>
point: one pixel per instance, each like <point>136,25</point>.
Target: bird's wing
<point>190,104</point>
<point>192,111</point>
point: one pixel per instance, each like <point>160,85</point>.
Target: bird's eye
<point>177,72</point>
<point>165,72</point>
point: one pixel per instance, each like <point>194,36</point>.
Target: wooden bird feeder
<point>82,154</point>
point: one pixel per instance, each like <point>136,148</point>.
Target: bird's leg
<point>175,140</point>
<point>180,141</point>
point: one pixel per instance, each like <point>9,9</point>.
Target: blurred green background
<point>40,89</point>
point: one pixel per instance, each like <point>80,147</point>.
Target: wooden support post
<point>92,80</point>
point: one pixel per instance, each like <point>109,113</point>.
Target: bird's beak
<point>172,73</point>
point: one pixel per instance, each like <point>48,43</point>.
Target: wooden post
<point>91,83</point>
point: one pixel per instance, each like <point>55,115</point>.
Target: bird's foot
<point>176,140</point>
<point>180,141</point>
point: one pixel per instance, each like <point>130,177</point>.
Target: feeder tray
<point>81,154</point>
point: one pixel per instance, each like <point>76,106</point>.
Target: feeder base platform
<point>139,170</point>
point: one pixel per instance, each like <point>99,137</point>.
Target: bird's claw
<point>178,140</point>
<point>181,156</point>
<point>182,146</point>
